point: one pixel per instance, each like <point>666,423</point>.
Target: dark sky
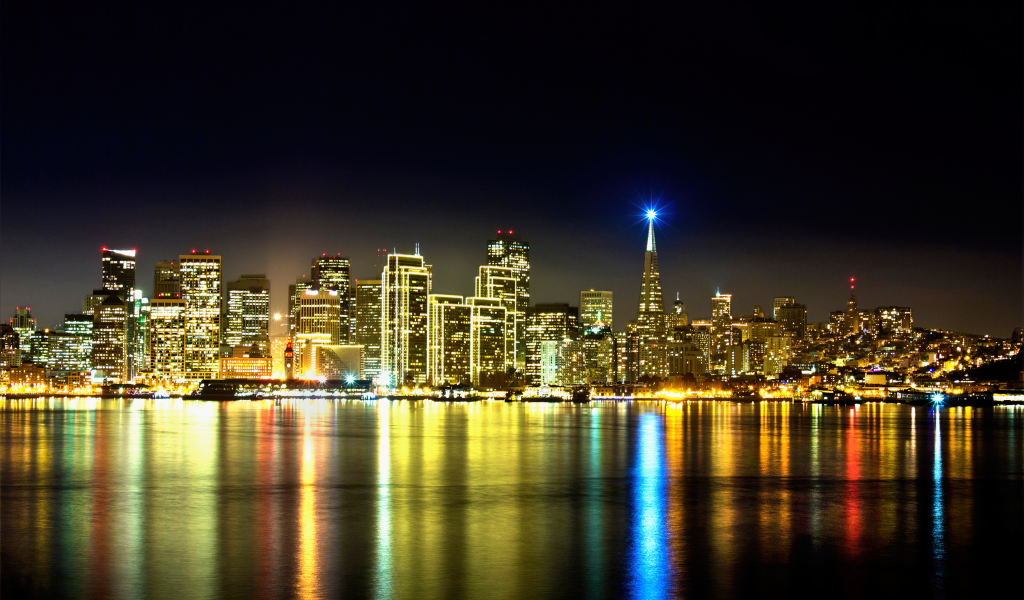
<point>791,148</point>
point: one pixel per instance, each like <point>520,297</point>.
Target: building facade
<point>201,291</point>
<point>368,310</point>
<point>509,250</point>
<point>650,328</point>
<point>595,306</point>
<point>247,320</point>
<point>448,340</point>
<point>405,285</point>
<point>547,322</point>
<point>167,337</point>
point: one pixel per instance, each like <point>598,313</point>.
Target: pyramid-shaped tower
<point>650,330</point>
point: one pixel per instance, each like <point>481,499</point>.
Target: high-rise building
<point>792,317</point>
<point>509,250</point>
<point>90,302</point>
<point>368,311</point>
<point>595,306</point>
<point>678,317</point>
<point>248,313</point>
<point>500,283</point>
<point>779,303</point>
<point>142,315</point>
<point>295,291</point>
<point>25,324</point>
<point>448,340</point>
<point>488,340</point>
<point>404,320</point>
<point>167,337</point>
<point>562,362</point>
<point>852,319</point>
<point>319,324</point>
<point>39,349</point>
<point>598,346</point>
<point>166,280</point>
<point>547,322</point>
<point>201,291</point>
<point>334,273</point>
<point>721,323</point>
<point>352,309</point>
<point>79,327</point>
<point>110,340</point>
<point>340,362</point>
<point>651,337</point>
<point>119,278</point>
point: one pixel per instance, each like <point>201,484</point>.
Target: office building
<point>779,303</point>
<point>25,324</point>
<point>595,307</point>
<point>278,343</point>
<point>319,324</point>
<point>166,280</point>
<point>334,273</point>
<point>488,358</point>
<point>110,340</point>
<point>247,321</point>
<point>79,327</point>
<point>404,321</point>
<point>685,358</point>
<point>598,345</point>
<point>678,316</point>
<point>562,362</point>
<point>295,291</point>
<point>39,348</point>
<point>499,283</point>
<point>142,316</point>
<point>448,340</point>
<point>368,311</point>
<point>792,318</point>
<point>90,302</point>
<point>201,291</point>
<point>509,250</point>
<point>119,278</point>
<point>167,337</point>
<point>776,354</point>
<point>547,322</point>
<point>721,323</point>
<point>650,327</point>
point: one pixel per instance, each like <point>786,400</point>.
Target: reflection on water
<point>175,499</point>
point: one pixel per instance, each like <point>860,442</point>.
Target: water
<point>173,499</point>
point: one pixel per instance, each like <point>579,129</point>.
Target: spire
<point>650,237</point>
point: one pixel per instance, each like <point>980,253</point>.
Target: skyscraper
<point>547,322</point>
<point>368,321</point>
<point>319,325</point>
<point>595,306</point>
<point>792,317</point>
<point>779,303</point>
<point>404,320</point>
<point>488,340</point>
<point>678,316</point>
<point>167,337</point>
<point>448,340</point>
<point>721,324</point>
<point>248,313</point>
<point>334,273</point>
<point>119,278</point>
<point>201,291</point>
<point>166,280</point>
<point>79,327</point>
<point>110,340</point>
<point>509,250</point>
<point>25,324</point>
<point>500,283</point>
<point>651,352</point>
<point>295,291</point>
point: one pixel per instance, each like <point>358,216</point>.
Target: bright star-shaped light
<point>651,215</point>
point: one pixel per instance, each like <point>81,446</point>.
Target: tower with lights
<point>650,327</point>
<point>509,250</point>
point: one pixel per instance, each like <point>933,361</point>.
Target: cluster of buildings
<point>396,332</point>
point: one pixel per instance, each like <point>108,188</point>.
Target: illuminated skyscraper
<point>319,325</point>
<point>334,273</point>
<point>595,306</point>
<point>302,283</point>
<point>650,328</point>
<point>547,322</point>
<point>119,278</point>
<point>167,337</point>
<point>488,340</point>
<point>499,283</point>
<point>678,316</point>
<point>110,340</point>
<point>779,303</point>
<point>404,320</point>
<point>79,327</point>
<point>248,313</point>
<point>508,250</point>
<point>448,340</point>
<point>141,344</point>
<point>201,291</point>
<point>10,346</point>
<point>721,323</point>
<point>368,320</point>
<point>25,324</point>
<point>792,317</point>
<point>166,280</point>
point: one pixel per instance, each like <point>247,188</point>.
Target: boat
<point>581,394</point>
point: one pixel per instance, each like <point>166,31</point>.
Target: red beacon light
<point>207,251</point>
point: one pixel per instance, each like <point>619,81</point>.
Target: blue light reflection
<point>648,557</point>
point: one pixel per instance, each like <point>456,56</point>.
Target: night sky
<point>789,148</point>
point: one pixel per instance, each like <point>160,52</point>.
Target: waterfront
<point>186,499</point>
